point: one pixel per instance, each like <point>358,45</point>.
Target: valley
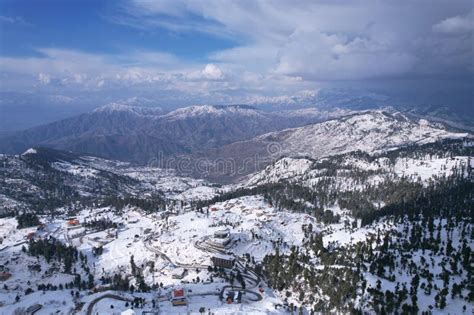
<point>381,228</point>
<point>236,157</point>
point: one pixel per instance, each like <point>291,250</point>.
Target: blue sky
<point>91,26</point>
<point>87,53</point>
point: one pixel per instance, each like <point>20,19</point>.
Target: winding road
<point>250,276</point>
<point>117,297</point>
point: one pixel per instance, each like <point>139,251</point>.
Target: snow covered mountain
<point>390,230</point>
<point>371,131</point>
<point>355,232</point>
<point>368,131</point>
<point>42,177</point>
<point>211,111</point>
<point>427,164</point>
<point>139,134</point>
<point>138,110</point>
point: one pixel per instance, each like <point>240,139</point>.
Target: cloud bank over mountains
<point>279,49</point>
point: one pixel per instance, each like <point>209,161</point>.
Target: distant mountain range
<point>140,134</point>
<point>226,142</point>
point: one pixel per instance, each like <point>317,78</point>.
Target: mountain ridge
<point>115,130</point>
<point>368,131</point>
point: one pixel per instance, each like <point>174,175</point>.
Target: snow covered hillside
<point>385,232</point>
<point>372,131</point>
<point>425,165</point>
<point>39,177</point>
<point>138,134</point>
<point>129,109</point>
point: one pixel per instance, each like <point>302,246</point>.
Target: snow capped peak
<point>193,110</point>
<point>212,110</point>
<point>111,108</point>
<point>371,118</point>
<point>132,109</point>
<point>29,151</point>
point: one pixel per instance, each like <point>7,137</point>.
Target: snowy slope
<point>282,169</point>
<point>129,109</point>
<point>215,111</point>
<point>372,131</point>
<point>40,173</point>
<point>421,167</point>
<point>368,131</point>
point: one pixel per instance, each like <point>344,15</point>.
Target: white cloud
<point>212,72</point>
<point>68,70</point>
<point>322,40</point>
<point>459,24</point>
<point>17,20</point>
<point>44,78</point>
<point>280,48</point>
